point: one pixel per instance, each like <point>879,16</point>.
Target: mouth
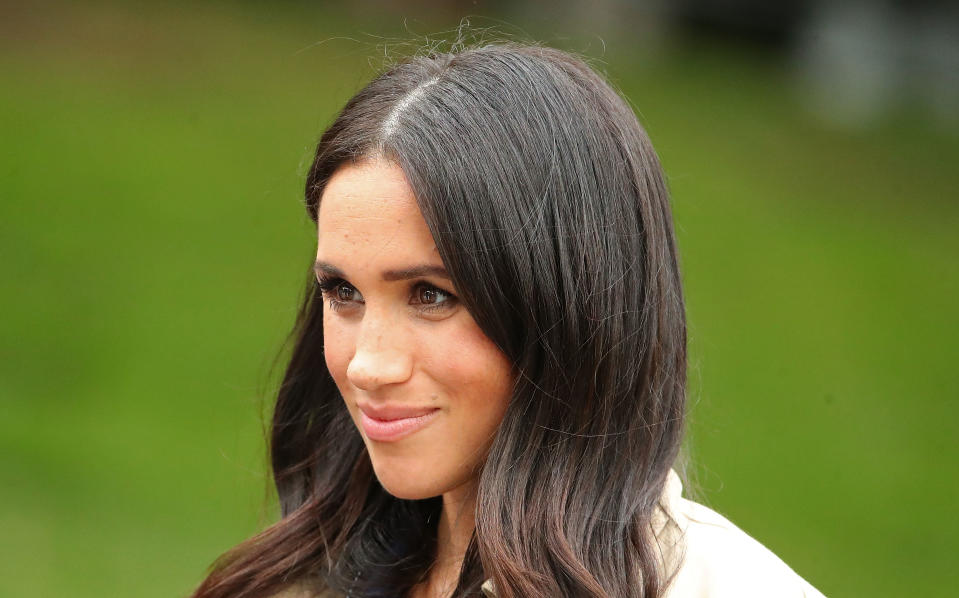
<point>389,423</point>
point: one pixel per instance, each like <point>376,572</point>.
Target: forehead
<point>370,206</point>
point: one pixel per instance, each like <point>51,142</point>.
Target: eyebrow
<point>389,275</point>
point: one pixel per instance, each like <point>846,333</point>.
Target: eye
<point>345,292</point>
<point>431,298</point>
<point>339,292</point>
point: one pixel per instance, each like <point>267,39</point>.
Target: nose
<point>383,353</point>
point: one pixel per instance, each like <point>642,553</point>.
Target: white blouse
<point>720,560</point>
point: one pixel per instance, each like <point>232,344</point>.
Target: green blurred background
<point>154,247</point>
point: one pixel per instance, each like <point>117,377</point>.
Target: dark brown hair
<point>549,208</point>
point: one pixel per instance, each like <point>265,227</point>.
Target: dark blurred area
<point>856,60</point>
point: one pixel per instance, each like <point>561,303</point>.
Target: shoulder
<point>715,559</point>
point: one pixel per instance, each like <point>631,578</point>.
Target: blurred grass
<point>154,247</point>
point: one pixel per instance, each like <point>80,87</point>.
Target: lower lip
<point>388,430</point>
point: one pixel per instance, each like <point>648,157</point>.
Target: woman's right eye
<point>344,292</point>
<point>339,292</point>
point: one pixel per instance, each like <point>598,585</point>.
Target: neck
<point>453,535</point>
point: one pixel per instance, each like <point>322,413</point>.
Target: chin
<point>410,483</point>
<point>407,489</point>
<point>406,493</point>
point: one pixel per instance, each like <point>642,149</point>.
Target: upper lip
<point>389,412</point>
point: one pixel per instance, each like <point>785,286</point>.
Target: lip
<point>388,423</point>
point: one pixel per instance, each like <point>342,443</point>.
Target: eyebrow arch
<point>389,275</point>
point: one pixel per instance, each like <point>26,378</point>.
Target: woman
<point>487,389</point>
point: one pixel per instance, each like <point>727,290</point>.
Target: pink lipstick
<point>390,423</point>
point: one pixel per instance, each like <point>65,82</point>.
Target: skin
<point>410,343</point>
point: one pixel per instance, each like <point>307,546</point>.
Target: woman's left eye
<point>431,298</point>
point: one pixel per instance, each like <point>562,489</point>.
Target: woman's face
<point>425,387</point>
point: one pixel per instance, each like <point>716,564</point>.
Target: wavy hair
<point>549,209</point>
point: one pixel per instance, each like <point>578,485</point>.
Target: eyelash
<point>329,285</point>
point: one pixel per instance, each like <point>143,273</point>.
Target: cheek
<point>337,348</point>
<point>476,371</point>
